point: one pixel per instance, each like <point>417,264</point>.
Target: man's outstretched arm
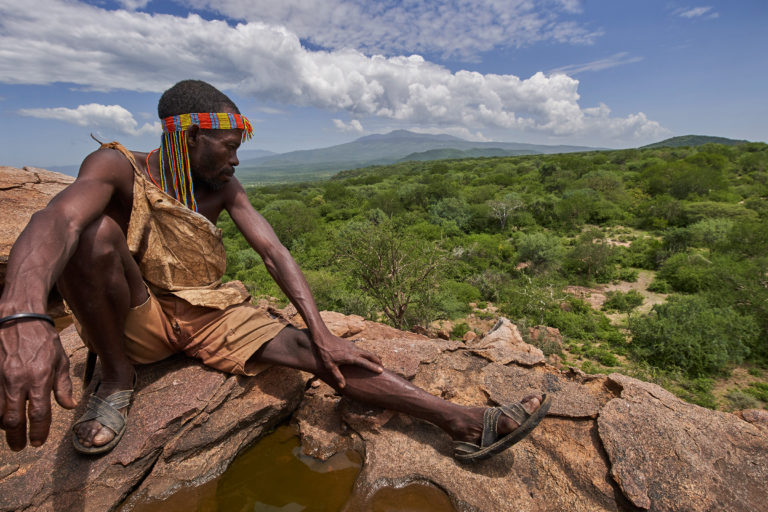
<point>286,273</point>
<point>32,361</point>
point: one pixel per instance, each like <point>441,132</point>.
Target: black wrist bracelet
<point>22,316</point>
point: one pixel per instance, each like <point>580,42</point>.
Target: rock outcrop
<point>610,442</point>
<point>185,426</point>
<point>22,193</point>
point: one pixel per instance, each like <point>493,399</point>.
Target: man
<point>133,248</point>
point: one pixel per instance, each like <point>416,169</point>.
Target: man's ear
<point>193,135</point>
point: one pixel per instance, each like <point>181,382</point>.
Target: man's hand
<point>32,364</point>
<point>334,352</point>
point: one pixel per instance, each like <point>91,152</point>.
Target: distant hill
<point>454,154</point>
<point>379,149</point>
<point>250,154</point>
<point>694,140</point>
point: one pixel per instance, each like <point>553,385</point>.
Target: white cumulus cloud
<point>269,62</point>
<point>94,115</point>
<point>353,126</point>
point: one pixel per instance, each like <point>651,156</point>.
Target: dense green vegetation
<point>417,241</point>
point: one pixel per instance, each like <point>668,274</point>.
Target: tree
<point>592,256</point>
<point>688,333</point>
<point>399,272</point>
<point>503,208</point>
<point>623,302</point>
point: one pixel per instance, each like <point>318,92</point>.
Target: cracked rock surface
<point>185,426</point>
<point>610,443</point>
<point>22,193</point>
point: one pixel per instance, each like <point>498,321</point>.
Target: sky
<point>315,73</point>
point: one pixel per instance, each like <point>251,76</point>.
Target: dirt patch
<point>596,296</point>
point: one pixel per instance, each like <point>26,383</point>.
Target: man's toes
<point>531,403</point>
<point>103,436</point>
<point>93,433</point>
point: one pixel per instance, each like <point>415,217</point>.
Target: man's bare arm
<point>286,273</point>
<point>32,361</point>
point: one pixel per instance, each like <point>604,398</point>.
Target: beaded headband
<point>209,121</point>
<point>174,147</point>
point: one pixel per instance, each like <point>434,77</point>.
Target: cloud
<point>617,59</point>
<point>94,115</point>
<point>697,12</point>
<point>269,63</point>
<point>353,126</point>
<point>450,28</point>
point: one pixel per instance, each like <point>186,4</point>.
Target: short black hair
<point>190,96</point>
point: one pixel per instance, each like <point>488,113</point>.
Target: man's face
<point>214,158</point>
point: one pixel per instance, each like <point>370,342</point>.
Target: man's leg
<point>101,281</point>
<point>293,348</point>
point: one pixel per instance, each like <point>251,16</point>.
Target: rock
<point>22,193</point>
<point>757,417</point>
<point>504,344</point>
<point>186,424</point>
<point>341,325</point>
<point>610,442</point>
<point>670,455</point>
<point>442,329</point>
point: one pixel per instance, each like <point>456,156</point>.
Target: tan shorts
<point>223,339</point>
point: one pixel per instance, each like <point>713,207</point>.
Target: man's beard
<point>208,184</point>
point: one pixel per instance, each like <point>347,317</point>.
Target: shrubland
<point>419,241</point>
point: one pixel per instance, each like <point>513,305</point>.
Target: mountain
<point>379,149</point>
<point>250,154</point>
<point>455,154</point>
<point>694,140</point>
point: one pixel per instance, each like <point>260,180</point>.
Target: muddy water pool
<point>274,476</point>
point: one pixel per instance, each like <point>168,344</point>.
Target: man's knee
<point>99,244</point>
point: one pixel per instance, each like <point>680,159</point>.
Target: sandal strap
<point>106,412</point>
<point>490,423</point>
<point>516,411</point>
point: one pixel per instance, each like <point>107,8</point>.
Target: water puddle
<point>274,476</point>
<point>271,476</point>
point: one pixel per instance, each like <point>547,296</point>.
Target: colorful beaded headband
<point>174,148</point>
<point>209,121</point>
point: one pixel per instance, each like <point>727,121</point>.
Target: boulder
<point>22,193</point>
<point>186,424</point>
<point>610,442</point>
<point>504,344</point>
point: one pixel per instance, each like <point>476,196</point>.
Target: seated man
<point>133,248</point>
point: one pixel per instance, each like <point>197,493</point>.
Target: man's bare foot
<point>92,433</point>
<point>472,432</point>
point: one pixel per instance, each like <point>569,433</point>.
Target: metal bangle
<point>22,316</point>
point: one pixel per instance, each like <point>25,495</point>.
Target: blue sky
<point>313,73</point>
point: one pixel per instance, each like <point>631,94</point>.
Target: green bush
<point>758,390</point>
<point>689,334</point>
<point>459,330</point>
<point>542,249</point>
<point>688,272</point>
<point>622,302</point>
<point>659,286</point>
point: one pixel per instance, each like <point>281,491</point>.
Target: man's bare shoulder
<point>106,164</point>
